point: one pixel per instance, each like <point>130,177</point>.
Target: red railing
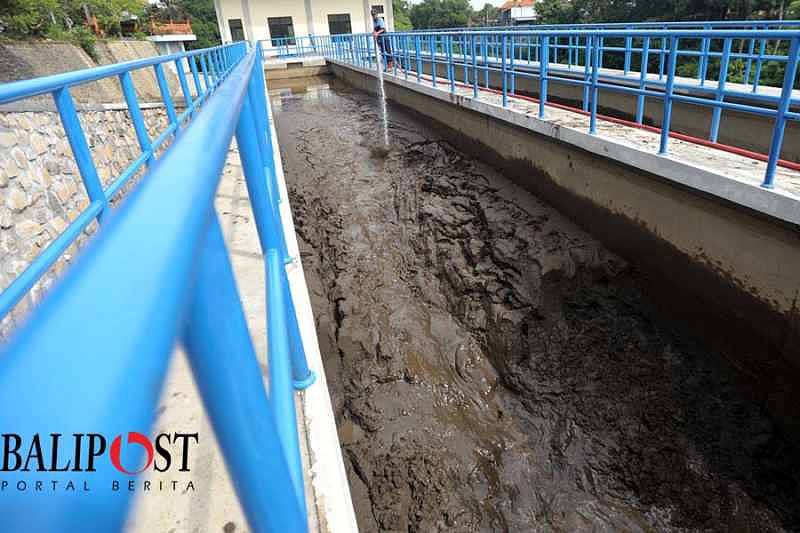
<point>170,28</point>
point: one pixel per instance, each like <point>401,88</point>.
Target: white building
<point>255,20</point>
<point>169,37</point>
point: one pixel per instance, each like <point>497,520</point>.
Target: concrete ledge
<point>774,203</point>
<point>333,508</point>
<point>739,128</point>
<point>301,67</point>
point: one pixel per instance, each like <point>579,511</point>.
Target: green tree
<point>440,14</point>
<point>402,22</point>
<point>29,17</point>
<point>486,16</point>
<point>558,12</point>
<point>109,13</point>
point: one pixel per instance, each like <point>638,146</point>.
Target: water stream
<point>493,367</point>
<point>382,96</point>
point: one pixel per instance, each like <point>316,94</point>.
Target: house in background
<point>169,37</point>
<point>255,20</point>
<point>515,12</point>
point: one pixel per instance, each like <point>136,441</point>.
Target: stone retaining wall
<point>41,191</point>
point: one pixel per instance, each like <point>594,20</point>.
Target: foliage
<point>65,19</point>
<point>109,13</point>
<point>402,22</point>
<point>28,17</point>
<point>574,11</point>
<point>488,15</point>
<point>440,14</point>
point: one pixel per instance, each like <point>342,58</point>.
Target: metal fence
<point>92,357</point>
<point>646,63</point>
<point>287,47</point>
<point>651,25</point>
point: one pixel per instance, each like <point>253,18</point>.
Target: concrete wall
<point>301,68</point>
<point>110,52</point>
<point>41,191</point>
<point>308,16</point>
<point>19,61</point>
<point>723,272</point>
<point>736,128</point>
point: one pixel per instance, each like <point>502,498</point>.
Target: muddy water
<point>493,367</point>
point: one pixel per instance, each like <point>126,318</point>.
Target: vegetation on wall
<point>39,18</point>
<point>573,11</point>
<point>66,20</point>
<point>440,14</point>
<point>402,22</point>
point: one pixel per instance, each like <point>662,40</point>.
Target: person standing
<point>384,43</point>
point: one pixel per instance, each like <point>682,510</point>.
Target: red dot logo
<point>133,438</point>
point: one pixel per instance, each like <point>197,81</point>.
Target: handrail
<point>215,63</point>
<point>589,59</point>
<point>708,24</point>
<point>93,356</point>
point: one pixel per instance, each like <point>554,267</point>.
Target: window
<point>237,30</point>
<point>339,24</point>
<point>378,8</point>
<point>281,28</point>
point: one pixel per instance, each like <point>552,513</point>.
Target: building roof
<point>517,3</point>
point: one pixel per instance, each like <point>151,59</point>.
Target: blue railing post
<point>485,47</point>
<point>187,94</point>
<point>595,92</point>
<point>627,62</point>
<point>474,67</point>
<point>418,57</point>
<point>433,61</point>
<point>255,151</point>
<point>281,394</point>
<point>503,70</point>
<point>80,149</point>
<point>511,50</point>
<point>667,117</point>
<point>761,51</point>
<point>543,68</point>
<point>716,114</point>
<point>780,119</point>
<point>261,190</point>
<point>227,373</point>
<point>165,95</point>
<point>587,70</point>
<point>196,77</point>
<point>451,75</point>
<point>135,111</point>
<point>749,65</point>
<point>702,70</point>
<point>206,75</point>
<point>640,99</point>
<point>464,57</point>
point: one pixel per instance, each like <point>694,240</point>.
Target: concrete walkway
<point>211,504</point>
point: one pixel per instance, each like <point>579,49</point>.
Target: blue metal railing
<point>650,25</point>
<point>498,59</point>
<point>287,47</point>
<point>92,357</point>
